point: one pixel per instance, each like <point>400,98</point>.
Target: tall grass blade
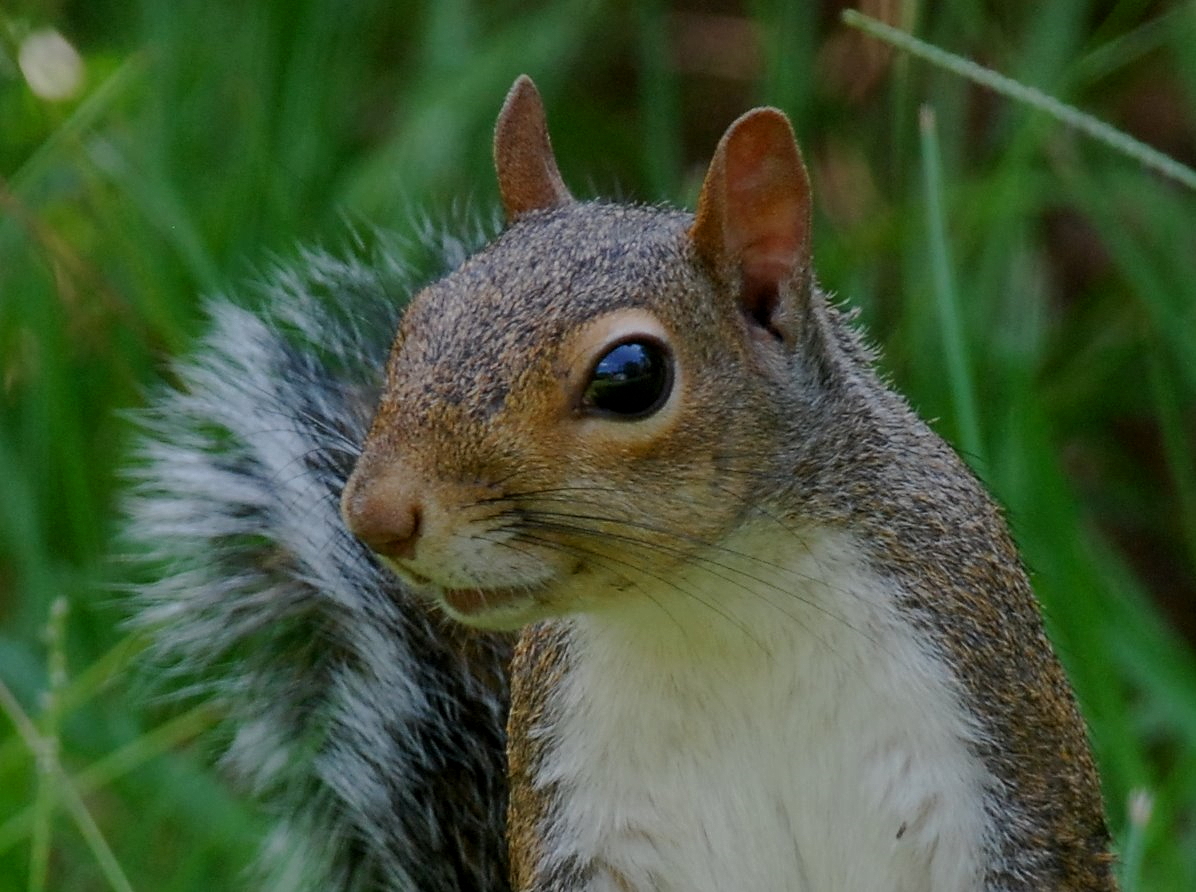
<point>954,340</point>
<point>1118,140</point>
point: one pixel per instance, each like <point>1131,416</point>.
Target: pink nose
<point>383,516</point>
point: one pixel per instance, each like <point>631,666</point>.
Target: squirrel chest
<point>765,722</point>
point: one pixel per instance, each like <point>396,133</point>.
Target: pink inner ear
<point>767,209</point>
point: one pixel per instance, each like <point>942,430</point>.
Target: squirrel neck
<point>768,698</point>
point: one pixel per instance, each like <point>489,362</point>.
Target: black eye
<point>631,380</point>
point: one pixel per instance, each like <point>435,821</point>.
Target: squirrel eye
<point>631,380</point>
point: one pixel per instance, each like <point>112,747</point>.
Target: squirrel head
<point>586,401</point>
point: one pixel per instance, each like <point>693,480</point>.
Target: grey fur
<point>371,728</point>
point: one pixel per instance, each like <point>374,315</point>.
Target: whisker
<point>710,562</point>
<point>645,546</point>
<point>671,583</point>
<point>589,555</point>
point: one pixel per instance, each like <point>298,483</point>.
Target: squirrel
<point>623,569</point>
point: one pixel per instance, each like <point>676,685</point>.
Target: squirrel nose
<point>387,519</point>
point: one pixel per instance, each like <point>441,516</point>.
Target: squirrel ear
<point>528,178</point>
<point>754,213</point>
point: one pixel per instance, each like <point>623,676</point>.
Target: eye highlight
<point>631,380</point>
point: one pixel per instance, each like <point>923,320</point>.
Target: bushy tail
<point>372,727</point>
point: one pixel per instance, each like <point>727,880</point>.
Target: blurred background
<point>152,152</point>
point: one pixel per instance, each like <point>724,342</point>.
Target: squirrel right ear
<point>753,218</point>
<point>528,178</point>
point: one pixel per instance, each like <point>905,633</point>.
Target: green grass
<point>1034,291</point>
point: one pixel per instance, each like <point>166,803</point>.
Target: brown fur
<point>780,413</point>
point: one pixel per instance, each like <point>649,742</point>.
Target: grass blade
<point>1117,140</point>
<point>955,342</point>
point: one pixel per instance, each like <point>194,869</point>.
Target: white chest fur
<point>781,731</point>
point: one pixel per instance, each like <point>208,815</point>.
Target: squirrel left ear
<point>753,215</point>
<point>528,177</point>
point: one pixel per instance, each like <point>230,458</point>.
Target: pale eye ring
<point>631,380</point>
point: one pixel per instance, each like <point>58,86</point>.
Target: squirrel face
<point>567,412</point>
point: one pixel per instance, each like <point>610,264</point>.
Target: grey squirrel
<point>664,588</point>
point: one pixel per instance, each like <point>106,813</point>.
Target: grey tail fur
<point>372,728</point>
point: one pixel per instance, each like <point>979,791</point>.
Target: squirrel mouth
<point>500,607</point>
<point>475,605</point>
<point>468,600</point>
<point>477,602</point>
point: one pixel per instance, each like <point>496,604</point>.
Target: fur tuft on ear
<point>753,218</point>
<point>528,177</point>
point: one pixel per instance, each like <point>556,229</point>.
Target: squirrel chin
<point>497,609</point>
